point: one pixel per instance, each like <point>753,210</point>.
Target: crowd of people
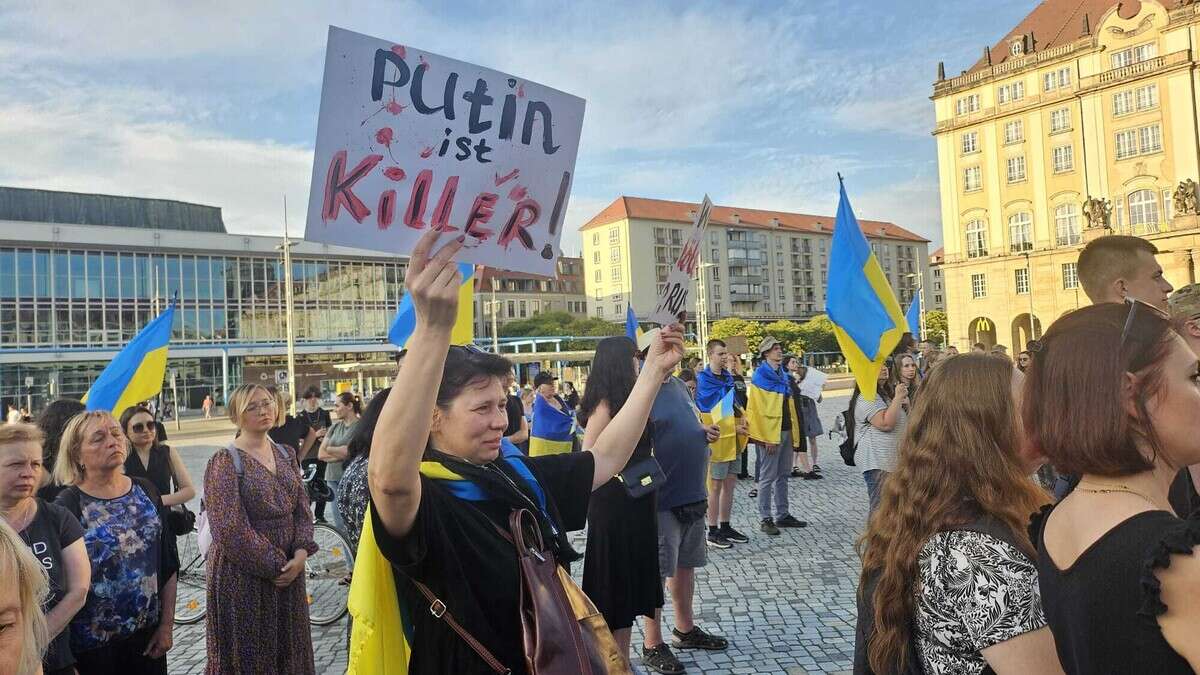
<point>970,562</point>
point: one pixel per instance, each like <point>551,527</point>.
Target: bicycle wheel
<point>191,598</point>
<point>327,573</point>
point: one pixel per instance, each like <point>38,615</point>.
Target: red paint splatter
<point>426,152</point>
<point>521,90</point>
<point>501,180</point>
<point>394,108</point>
<point>384,136</point>
<point>394,173</point>
<point>517,193</point>
<point>398,50</point>
<point>421,58</point>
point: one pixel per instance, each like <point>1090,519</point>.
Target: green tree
<point>562,323</point>
<point>817,335</point>
<point>727,328</point>
<point>936,326</point>
<point>789,333</point>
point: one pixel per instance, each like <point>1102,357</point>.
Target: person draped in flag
<point>773,422</point>
<point>715,398</point>
<point>443,484</point>
<point>553,421</point>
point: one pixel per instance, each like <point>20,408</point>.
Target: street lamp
<point>702,305</point>
<point>920,277</point>
<point>286,247</point>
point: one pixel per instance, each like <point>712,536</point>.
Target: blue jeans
<point>874,480</point>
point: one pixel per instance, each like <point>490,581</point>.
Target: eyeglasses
<point>1134,303</point>
<point>262,405</point>
<point>142,427</point>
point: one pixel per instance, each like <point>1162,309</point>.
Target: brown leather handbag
<point>564,634</point>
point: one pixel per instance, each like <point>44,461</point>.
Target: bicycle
<point>326,572</point>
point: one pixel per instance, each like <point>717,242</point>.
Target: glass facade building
<point>72,294</point>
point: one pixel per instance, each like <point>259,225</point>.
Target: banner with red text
<point>672,302</point>
<point>408,140</point>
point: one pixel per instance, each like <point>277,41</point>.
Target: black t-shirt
<point>1183,496</point>
<point>740,397</point>
<point>454,549</point>
<point>291,433</point>
<point>516,412</point>
<point>52,529</point>
<point>317,420</point>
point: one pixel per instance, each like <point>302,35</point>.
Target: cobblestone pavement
<point>785,603</point>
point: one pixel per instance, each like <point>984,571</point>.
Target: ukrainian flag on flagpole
<point>914,317</point>
<point>464,326</point>
<point>632,329</point>
<point>136,373</point>
<point>866,317</point>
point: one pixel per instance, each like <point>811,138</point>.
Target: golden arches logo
<point>983,325</point>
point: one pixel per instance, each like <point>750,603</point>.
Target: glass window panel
<point>112,277</point>
<point>79,326</point>
<point>94,275</point>
<point>173,281</point>
<point>62,327</point>
<point>41,274</point>
<point>8,274</point>
<point>25,274</point>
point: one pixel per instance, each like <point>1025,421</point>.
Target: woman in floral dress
<point>262,534</point>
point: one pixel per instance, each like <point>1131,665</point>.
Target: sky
<point>758,103</point>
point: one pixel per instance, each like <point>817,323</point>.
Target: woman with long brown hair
<point>948,572</point>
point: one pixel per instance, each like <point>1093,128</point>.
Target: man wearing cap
<point>681,448</point>
<point>773,421</point>
<point>551,433</point>
<point>1185,317</point>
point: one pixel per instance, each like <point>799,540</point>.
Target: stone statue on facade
<point>1096,211</point>
<point>1185,198</point>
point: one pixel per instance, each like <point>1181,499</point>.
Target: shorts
<point>680,545</point>
<point>722,470</point>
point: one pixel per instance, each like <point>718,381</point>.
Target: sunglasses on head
<point>141,427</point>
<point>1134,304</point>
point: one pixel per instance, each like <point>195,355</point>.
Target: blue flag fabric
<point>464,325</point>
<point>550,433</point>
<point>632,329</point>
<point>711,388</point>
<point>136,372</point>
<point>914,317</point>
<point>867,319</point>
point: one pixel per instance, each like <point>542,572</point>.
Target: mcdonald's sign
<point>983,325</point>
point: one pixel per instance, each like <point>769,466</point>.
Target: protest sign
<point>736,345</point>
<point>813,383</point>
<point>408,140</point>
<point>674,297</point>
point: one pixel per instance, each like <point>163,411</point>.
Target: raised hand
<point>666,351</point>
<point>433,282</point>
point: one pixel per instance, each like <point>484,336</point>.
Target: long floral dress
<point>258,520</point>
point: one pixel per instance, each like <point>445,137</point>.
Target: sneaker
<point>790,521</point>
<point>753,493</point>
<point>661,660</point>
<point>768,527</point>
<point>797,473</point>
<point>811,475</point>
<point>733,535</point>
<point>816,469</point>
<point>743,476</point>
<point>698,639</point>
<point>717,540</point>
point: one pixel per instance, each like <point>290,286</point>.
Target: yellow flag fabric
<point>378,645</point>
<point>725,448</point>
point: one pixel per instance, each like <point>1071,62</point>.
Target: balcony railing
<point>1136,70</point>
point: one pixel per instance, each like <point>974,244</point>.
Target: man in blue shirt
<point>681,448</point>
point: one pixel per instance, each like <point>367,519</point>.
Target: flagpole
<point>288,301</point>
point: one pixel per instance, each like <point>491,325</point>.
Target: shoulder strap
<point>236,457</point>
<point>439,611</point>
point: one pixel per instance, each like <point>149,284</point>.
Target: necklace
<point>19,520</point>
<point>1109,489</point>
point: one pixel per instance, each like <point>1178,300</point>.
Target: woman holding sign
<point>444,485</point>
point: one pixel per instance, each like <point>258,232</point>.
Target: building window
<point>598,277</point>
<point>595,239</point>
<point>1143,211</point>
<point>1021,276</point>
<point>1064,158</point>
<point>972,179</point>
<point>1014,132</point>
<point>1066,225</point>
<point>1016,169</point>
<point>967,105</point>
<point>614,235</point>
<point>1058,79</point>
<point>1132,55</point>
<point>1020,231</point>
<point>1060,120</point>
<point>614,255</point>
<point>1146,97</point>
<point>512,308</point>
<point>976,239</point>
<point>1122,103</point>
<point>660,236</point>
<point>1150,139</point>
<point>1070,275</point>
<point>599,311</point>
<point>616,274</point>
<point>1010,92</point>
<point>970,142</point>
<point>596,257</point>
<point>978,286</point>
<point>1168,203</point>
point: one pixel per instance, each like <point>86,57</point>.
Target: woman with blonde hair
<point>949,578</point>
<point>125,625</point>
<point>262,535</point>
<point>24,589</point>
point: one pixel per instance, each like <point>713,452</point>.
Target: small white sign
<point>673,300</point>
<point>813,383</point>
<point>408,140</point>
<point>281,377</point>
<point>28,380</point>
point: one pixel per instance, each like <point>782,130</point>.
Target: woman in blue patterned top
<point>125,625</point>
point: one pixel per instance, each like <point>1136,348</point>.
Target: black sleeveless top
<point>159,471</point>
<point>1102,608</point>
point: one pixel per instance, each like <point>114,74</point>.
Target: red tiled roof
<point>1054,23</point>
<point>938,256</point>
<point>679,212</point>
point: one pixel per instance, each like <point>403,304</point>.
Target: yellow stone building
<point>1081,121</point>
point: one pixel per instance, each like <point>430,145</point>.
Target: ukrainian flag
<point>136,373</point>
<point>765,394</point>
<point>551,431</point>
<point>866,318</point>
<point>715,395</point>
<point>464,324</point>
<point>913,317</point>
<point>632,329</point>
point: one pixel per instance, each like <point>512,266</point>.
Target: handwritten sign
<point>813,383</point>
<point>408,140</point>
<point>673,300</point>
